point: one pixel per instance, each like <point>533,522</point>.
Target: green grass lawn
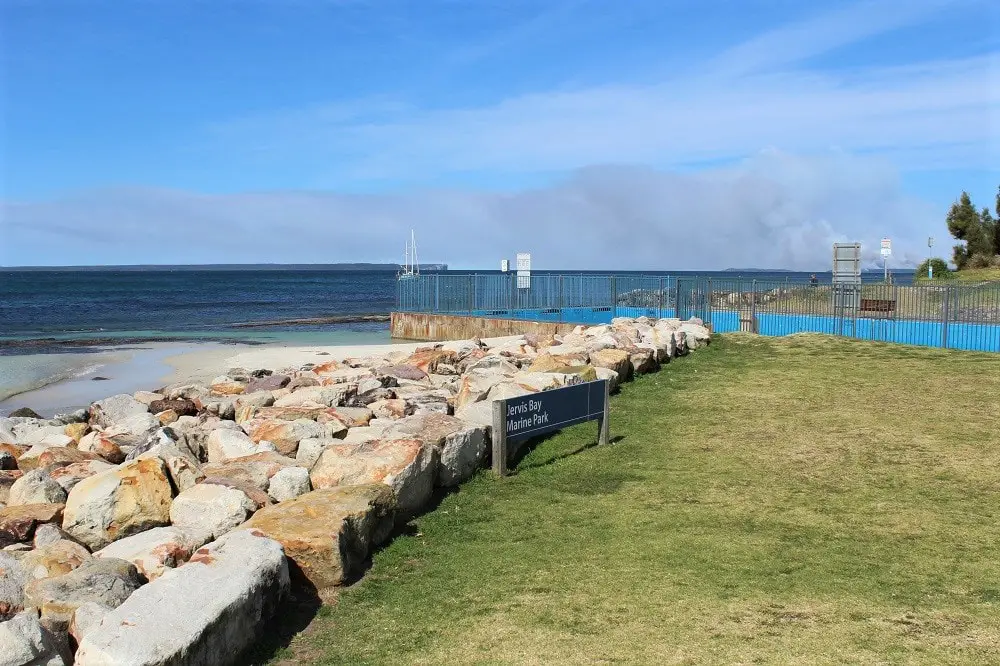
<point>967,275</point>
<point>770,500</point>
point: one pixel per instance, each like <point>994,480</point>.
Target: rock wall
<point>167,527</point>
<point>435,327</point>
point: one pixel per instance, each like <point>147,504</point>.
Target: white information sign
<point>886,247</point>
<point>523,270</point>
<point>504,265</point>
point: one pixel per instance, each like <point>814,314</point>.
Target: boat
<point>411,269</point>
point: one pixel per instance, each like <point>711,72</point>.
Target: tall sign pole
<point>886,251</point>
<point>930,269</point>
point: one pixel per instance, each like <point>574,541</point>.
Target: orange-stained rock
<point>428,359</point>
<point>54,559</point>
<point>60,455</point>
<point>119,503</point>
<point>154,551</point>
<point>408,466</point>
<point>286,435</point>
<point>613,359</point>
<point>327,534</point>
<point>76,430</point>
<point>228,388</point>
<point>18,523</point>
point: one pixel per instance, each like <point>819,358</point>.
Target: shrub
<point>940,266</point>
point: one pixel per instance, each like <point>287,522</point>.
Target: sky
<point>595,134</point>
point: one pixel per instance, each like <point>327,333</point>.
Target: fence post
<point>659,306</point>
<point>614,297</point>
<point>677,299</point>
<point>944,317</point>
<point>560,298</point>
<point>603,426</point>
<point>500,437</point>
<point>708,304</point>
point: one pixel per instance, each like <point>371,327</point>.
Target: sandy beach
<point>150,366</point>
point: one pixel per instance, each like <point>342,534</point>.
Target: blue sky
<point>566,126</point>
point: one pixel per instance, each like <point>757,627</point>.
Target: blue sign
<point>545,411</point>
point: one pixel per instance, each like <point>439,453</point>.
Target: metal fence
<point>938,315</point>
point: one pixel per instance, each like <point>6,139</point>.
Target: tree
<point>965,224</point>
<point>990,232</point>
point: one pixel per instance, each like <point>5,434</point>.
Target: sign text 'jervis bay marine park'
<point>517,419</point>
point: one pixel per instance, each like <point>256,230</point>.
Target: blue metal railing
<point>940,315</point>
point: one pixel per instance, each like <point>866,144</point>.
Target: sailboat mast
<point>413,242</point>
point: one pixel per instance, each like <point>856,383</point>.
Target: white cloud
<point>773,211</point>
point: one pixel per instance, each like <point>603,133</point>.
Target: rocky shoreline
<point>168,527</point>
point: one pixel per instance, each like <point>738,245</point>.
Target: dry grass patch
<point>772,500</point>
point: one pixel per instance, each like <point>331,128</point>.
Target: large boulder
<point>429,358</point>
<point>695,334</point>
<point>103,446</point>
<point>476,384</point>
<point>106,581</point>
<point>115,409</point>
<point>613,378</point>
<point>36,487</point>
<point>8,477</point>
<point>271,382</point>
<point>182,466</point>
<point>54,559</point>
<point>478,413</point>
<point>224,444</point>
<point>286,435</point>
<point>310,449</point>
<point>329,533</point>
<point>613,359</point>
<point>18,523</point>
<point>327,396</point>
<point>181,407</point>
<point>461,446</point>
<point>25,642</point>
<point>643,360</point>
<point>409,372</point>
<point>119,503</point>
<point>201,613</point>
<point>426,399</point>
<point>154,551</point>
<point>13,577</point>
<point>208,511</point>
<point>288,483</point>
<point>493,363</point>
<point>542,381</point>
<point>395,408</point>
<point>310,411</point>
<point>133,430</point>
<point>70,475</point>
<point>553,362</point>
<point>406,466</point>
<point>86,616</point>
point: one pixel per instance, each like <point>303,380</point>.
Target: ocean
<point>60,325</point>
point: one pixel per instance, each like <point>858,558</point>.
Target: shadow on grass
<point>290,618</point>
<point>517,466</point>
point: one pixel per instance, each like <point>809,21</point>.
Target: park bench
<point>886,305</point>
